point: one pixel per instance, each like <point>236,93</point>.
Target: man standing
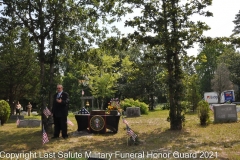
<point>29,108</point>
<point>60,112</point>
<point>18,108</point>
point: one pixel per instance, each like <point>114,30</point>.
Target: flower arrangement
<point>114,105</point>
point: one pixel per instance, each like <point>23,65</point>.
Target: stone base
<point>133,112</point>
<point>30,123</point>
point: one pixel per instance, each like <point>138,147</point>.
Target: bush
<point>132,103</point>
<point>166,106</point>
<point>186,106</point>
<point>203,112</point>
<point>4,111</point>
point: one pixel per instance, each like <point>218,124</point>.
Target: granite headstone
<point>29,123</point>
<point>225,113</point>
<point>133,112</point>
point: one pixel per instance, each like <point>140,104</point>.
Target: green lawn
<point>156,140</point>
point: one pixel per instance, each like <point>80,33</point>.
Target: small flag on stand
<point>70,122</point>
<point>129,130</point>
<point>45,137</point>
<point>18,121</point>
<point>124,121</point>
<point>131,133</point>
<point>47,112</point>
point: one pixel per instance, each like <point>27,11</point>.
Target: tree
<point>167,24</point>
<point>191,83</point>
<point>221,80</point>
<point>207,62</point>
<point>231,59</point>
<point>54,22</point>
<point>18,69</point>
<point>236,30</point>
<point>103,75</point>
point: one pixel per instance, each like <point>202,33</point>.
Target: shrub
<point>4,111</point>
<point>186,106</point>
<point>203,112</point>
<point>132,103</point>
<point>166,106</point>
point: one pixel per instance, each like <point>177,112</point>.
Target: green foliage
<point>18,67</point>
<point>207,63</point>
<point>203,112</point>
<point>132,103</point>
<point>4,111</point>
<point>166,106</point>
<point>175,32</point>
<point>186,105</point>
<point>236,30</point>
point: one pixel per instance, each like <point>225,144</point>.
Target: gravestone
<point>225,113</point>
<point>29,123</point>
<point>24,113</point>
<point>34,113</point>
<point>133,112</point>
<point>14,117</point>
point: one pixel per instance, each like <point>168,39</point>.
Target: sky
<point>221,24</point>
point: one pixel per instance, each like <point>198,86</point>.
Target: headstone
<point>29,123</point>
<point>225,113</point>
<point>133,112</point>
<point>24,113</point>
<point>14,117</point>
<point>34,113</point>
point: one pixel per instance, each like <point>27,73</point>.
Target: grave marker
<point>133,112</point>
<point>29,123</point>
<point>225,113</point>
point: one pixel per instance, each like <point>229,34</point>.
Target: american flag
<point>124,121</point>
<point>70,122</point>
<point>18,121</point>
<point>83,111</point>
<point>45,137</point>
<point>47,112</point>
<point>131,133</point>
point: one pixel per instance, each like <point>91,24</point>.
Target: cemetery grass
<point>222,139</point>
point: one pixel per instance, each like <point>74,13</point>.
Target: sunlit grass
<point>153,132</point>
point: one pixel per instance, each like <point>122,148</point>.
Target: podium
<point>97,122</point>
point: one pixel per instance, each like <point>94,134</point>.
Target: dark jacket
<point>60,109</point>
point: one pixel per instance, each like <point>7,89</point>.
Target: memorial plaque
<point>225,113</point>
<point>29,123</point>
<point>133,112</point>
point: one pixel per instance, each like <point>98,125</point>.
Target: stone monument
<point>225,113</point>
<point>29,123</point>
<point>133,112</point>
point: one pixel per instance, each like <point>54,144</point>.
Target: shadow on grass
<point>153,140</point>
<point>159,140</point>
<point>27,139</point>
